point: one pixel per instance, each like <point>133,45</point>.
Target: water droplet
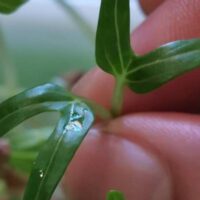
<point>75,123</point>
<point>73,126</point>
<point>41,174</point>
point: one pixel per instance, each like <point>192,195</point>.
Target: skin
<point>151,152</point>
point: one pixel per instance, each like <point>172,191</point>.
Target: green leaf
<point>8,6</point>
<point>150,71</point>
<point>57,153</point>
<point>113,51</point>
<point>53,159</point>
<point>141,73</point>
<point>115,195</point>
<point>45,98</point>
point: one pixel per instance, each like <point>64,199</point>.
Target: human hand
<point>147,153</point>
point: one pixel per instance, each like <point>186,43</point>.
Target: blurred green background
<point>44,40</point>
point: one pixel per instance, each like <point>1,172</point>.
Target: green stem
<point>99,110</point>
<point>117,100</point>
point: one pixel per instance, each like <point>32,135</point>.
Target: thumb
<point>147,156</point>
<point>107,161</point>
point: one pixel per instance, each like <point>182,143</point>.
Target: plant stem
<point>99,110</point>
<point>117,100</point>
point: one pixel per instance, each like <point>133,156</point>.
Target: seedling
<point>114,55</point>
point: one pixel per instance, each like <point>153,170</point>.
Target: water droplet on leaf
<point>75,123</point>
<point>41,174</point>
<point>73,126</point>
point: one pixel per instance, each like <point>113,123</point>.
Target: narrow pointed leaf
<point>27,104</point>
<point>17,117</point>
<point>8,6</point>
<point>163,64</point>
<point>113,51</point>
<point>115,195</point>
<point>41,94</point>
<point>57,153</point>
<point>75,121</point>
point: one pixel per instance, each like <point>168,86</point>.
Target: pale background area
<point>43,41</point>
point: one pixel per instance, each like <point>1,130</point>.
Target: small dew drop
<point>73,126</point>
<point>76,119</point>
<point>41,174</point>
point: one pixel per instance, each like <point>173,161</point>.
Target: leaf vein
<point>52,159</point>
<point>118,35</point>
<point>110,63</point>
<point>159,61</point>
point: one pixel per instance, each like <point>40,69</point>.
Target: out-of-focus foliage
<point>9,6</point>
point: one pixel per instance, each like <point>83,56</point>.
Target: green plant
<point>10,5</point>
<point>114,55</point>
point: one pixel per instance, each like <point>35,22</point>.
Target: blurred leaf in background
<point>45,43</point>
<point>8,6</point>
